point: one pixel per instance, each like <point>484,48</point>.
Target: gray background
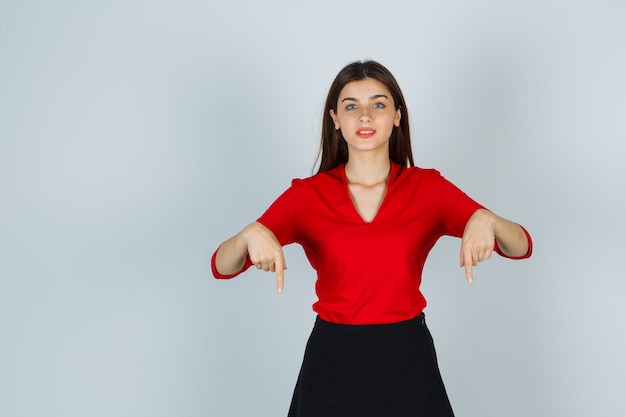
<point>135,136</point>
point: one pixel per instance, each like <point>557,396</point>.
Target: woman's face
<point>366,115</point>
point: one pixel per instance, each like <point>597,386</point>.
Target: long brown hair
<point>333,148</point>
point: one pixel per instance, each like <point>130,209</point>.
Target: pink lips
<point>365,133</point>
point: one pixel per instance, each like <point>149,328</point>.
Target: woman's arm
<point>485,228</point>
<point>259,242</point>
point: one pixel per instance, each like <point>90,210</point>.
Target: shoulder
<point>415,175</point>
<point>323,180</point>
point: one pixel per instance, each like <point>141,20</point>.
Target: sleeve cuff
<point>497,249</point>
<point>216,273</point>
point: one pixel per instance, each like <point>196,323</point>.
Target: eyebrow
<point>374,97</point>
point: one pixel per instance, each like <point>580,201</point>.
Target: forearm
<point>231,255</point>
<point>511,238</point>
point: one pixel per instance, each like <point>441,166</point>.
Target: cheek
<point>342,121</point>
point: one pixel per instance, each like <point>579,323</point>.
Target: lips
<point>365,133</point>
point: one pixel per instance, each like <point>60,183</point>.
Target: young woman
<point>367,221</point>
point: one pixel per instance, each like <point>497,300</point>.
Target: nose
<point>365,115</point>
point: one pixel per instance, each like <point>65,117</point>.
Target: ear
<point>396,121</point>
<point>334,117</point>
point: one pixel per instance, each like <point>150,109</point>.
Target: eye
<point>351,107</point>
<point>379,106</point>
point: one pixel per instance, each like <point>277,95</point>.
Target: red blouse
<point>368,273</point>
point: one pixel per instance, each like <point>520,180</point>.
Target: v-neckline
<point>352,203</point>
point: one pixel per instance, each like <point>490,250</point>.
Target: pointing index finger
<point>468,262</point>
<point>468,273</point>
<point>280,275</point>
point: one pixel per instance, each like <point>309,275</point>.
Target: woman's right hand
<point>265,251</point>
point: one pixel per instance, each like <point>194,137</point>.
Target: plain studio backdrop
<point>135,136</point>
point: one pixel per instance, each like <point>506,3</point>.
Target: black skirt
<point>380,370</point>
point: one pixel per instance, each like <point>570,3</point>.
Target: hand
<point>265,251</point>
<point>478,240</point>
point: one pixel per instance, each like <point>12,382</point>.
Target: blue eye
<point>379,106</point>
<point>351,107</point>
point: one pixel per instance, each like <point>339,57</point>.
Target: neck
<point>367,171</point>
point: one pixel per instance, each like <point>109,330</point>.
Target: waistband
<point>368,329</point>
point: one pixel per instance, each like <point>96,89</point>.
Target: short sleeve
<point>279,218</point>
<point>459,207</point>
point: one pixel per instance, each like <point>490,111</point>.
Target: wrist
<point>486,216</point>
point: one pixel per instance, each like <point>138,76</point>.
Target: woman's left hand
<point>478,240</point>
